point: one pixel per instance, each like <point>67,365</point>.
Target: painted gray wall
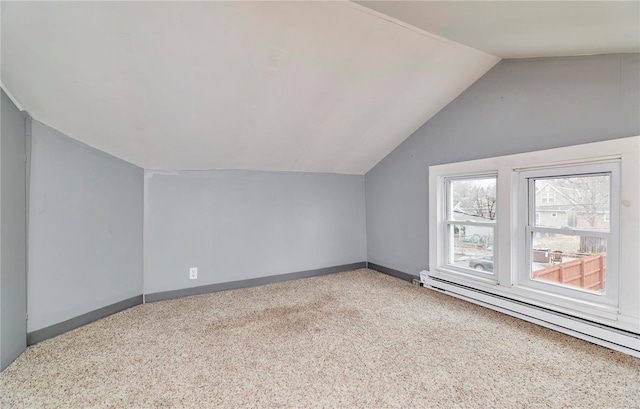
<point>236,225</point>
<point>518,106</point>
<point>13,259</point>
<point>85,229</point>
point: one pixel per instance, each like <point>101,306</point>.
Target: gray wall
<point>85,229</point>
<point>13,303</point>
<point>236,225</point>
<point>518,106</point>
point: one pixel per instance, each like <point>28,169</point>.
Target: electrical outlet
<point>193,273</point>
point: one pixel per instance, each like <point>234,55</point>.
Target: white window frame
<point>510,255</point>
<point>527,199</point>
<point>449,221</point>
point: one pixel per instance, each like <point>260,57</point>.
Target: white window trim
<point>508,253</point>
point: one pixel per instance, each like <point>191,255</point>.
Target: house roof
<point>571,204</point>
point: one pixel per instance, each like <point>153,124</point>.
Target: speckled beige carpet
<point>354,339</point>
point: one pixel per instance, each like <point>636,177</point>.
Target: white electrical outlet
<point>193,273</point>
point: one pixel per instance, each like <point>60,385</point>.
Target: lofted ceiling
<point>293,86</point>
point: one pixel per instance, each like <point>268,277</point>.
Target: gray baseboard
<point>252,282</point>
<point>392,272</point>
<point>84,319</point>
<point>73,323</point>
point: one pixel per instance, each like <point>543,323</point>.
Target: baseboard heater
<point>613,338</point>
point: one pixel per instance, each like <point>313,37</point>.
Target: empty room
<point>371,204</point>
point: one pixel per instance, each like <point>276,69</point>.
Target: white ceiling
<point>302,86</point>
<point>517,29</point>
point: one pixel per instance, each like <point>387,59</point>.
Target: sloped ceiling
<point>302,86</point>
<point>305,86</point>
<point>520,29</point>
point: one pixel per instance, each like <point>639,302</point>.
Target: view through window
<point>556,229</point>
<point>569,235</point>
<point>471,209</point>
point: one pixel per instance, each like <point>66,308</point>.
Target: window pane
<point>579,202</point>
<point>569,260</point>
<point>471,247</point>
<point>473,200</point>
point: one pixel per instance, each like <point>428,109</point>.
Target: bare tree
<point>475,198</point>
<point>485,202</point>
<point>589,194</point>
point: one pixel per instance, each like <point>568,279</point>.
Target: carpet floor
<point>353,339</point>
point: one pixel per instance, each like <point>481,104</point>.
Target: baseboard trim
<point>389,271</point>
<point>84,319</point>
<point>613,338</point>
<point>252,282</point>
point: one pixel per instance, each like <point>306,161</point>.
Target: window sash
<point>448,199</point>
<point>609,296</point>
<point>448,223</point>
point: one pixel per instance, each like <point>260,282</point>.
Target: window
<point>548,197</point>
<point>543,228</point>
<point>580,265</point>
<point>470,224</point>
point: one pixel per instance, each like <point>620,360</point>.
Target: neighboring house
<point>555,207</point>
<point>578,207</point>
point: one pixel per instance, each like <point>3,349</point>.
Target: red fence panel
<point>588,272</point>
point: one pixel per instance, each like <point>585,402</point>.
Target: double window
<point>566,240</point>
<point>544,228</point>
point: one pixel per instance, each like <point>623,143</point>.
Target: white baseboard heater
<point>596,333</point>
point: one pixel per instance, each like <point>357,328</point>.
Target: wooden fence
<point>588,272</point>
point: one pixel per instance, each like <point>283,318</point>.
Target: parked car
<point>482,263</point>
